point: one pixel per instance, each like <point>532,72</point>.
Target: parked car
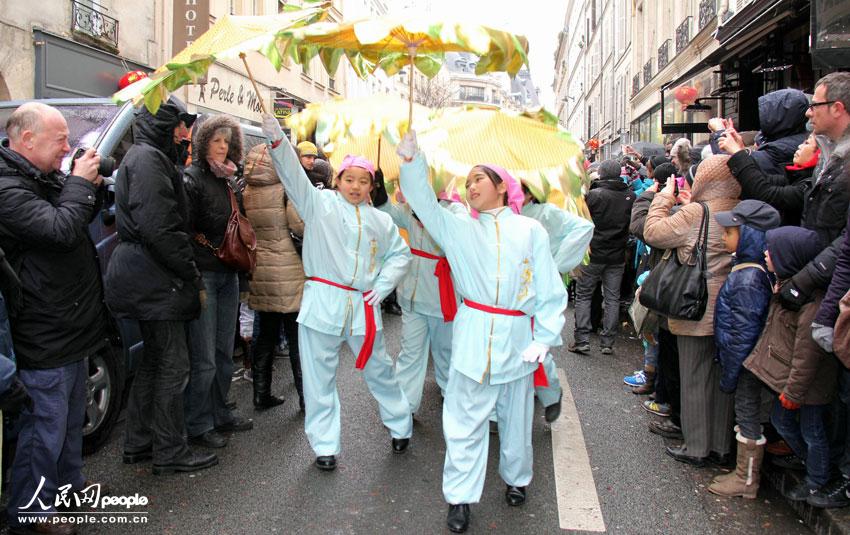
<point>107,127</point>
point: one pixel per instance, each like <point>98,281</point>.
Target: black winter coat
<point>838,169</point>
<point>209,211</point>
<point>610,202</point>
<point>784,192</point>
<point>43,229</point>
<point>782,119</point>
<point>822,205</point>
<point>152,273</point>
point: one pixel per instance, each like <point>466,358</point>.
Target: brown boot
<point>744,480</point>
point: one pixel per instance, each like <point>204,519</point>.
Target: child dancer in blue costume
<point>569,237</point>
<point>353,257</point>
<point>428,304</point>
<point>505,273</point>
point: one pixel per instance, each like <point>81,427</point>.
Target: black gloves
<point>379,192</point>
<point>797,292</point>
<point>15,398</point>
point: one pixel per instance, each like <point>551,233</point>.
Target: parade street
<point>266,481</point>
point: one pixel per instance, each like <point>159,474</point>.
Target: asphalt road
<point>266,482</point>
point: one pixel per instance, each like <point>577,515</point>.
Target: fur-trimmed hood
<point>204,132</point>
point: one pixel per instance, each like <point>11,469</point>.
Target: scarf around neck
<point>222,170</point>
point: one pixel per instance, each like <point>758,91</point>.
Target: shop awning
<point>742,30</point>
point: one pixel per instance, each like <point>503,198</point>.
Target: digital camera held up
<point>107,163</point>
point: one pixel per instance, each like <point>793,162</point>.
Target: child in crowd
<point>739,316</point>
<point>789,361</point>
<point>353,258</point>
<point>505,273</point>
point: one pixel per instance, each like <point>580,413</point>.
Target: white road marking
<point>578,504</point>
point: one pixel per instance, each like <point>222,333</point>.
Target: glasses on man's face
<point>814,105</point>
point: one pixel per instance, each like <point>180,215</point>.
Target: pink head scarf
<point>454,196</point>
<point>356,161</point>
<point>515,194</point>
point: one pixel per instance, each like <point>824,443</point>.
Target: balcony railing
<point>635,84</point>
<point>663,55</point>
<point>683,34</point>
<point>90,21</point>
<point>707,12</point>
<point>647,72</point>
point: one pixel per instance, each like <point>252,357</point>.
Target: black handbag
<point>677,290</point>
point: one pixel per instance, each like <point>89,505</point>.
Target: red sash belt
<point>371,327</point>
<point>539,374</point>
<point>443,272</point>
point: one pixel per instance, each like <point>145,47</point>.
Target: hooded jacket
<point>208,195</point>
<point>782,118</point>
<point>152,273</point>
<point>610,203</point>
<point>714,186</point>
<point>277,283</point>
<point>44,231</point>
<point>786,357</point>
<point>742,305</point>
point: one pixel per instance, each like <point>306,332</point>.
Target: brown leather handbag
<point>238,248</point>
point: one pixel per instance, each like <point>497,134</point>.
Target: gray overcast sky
<point>539,20</point>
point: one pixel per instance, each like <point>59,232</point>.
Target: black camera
<point>106,167</point>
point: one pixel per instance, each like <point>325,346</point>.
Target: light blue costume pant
<point>319,362</point>
<point>419,333</point>
<point>466,412</point>
<point>549,395</point>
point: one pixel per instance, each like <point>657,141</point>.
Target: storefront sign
<point>285,107</point>
<point>191,19</point>
<point>227,92</point>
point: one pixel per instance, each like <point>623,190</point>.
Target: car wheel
<point>104,396</point>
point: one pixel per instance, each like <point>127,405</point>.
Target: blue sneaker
<point>636,380</point>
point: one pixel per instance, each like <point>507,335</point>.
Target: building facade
<point>592,63</point>
<point>664,52</point>
<point>568,85</point>
<point>76,48</point>
<point>81,48</point>
<point>282,92</point>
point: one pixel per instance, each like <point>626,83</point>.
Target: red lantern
<point>685,94</point>
<point>131,77</point>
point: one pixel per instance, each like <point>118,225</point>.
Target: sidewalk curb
<point>821,521</point>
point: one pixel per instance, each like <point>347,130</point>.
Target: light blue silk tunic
<point>502,260</point>
<point>353,245</point>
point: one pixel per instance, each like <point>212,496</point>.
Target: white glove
<point>823,336</point>
<point>271,128</point>
<point>374,297</point>
<point>407,147</point>
<point>535,352</point>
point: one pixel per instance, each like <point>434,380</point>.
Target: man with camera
<point>60,320</point>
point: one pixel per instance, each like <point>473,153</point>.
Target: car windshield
<point>85,122</point>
